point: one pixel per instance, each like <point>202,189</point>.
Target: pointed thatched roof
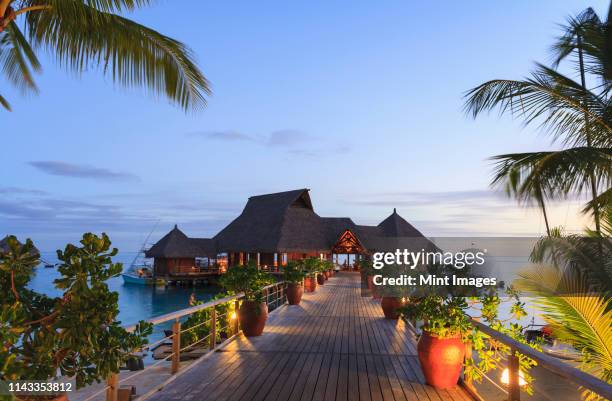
<point>396,226</point>
<point>286,222</point>
<point>176,244</point>
<point>283,221</point>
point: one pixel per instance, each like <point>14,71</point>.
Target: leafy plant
<point>77,334</point>
<point>446,316</point>
<point>292,273</point>
<point>247,279</point>
<point>82,35</point>
<point>311,266</point>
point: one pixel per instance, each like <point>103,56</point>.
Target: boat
<point>141,271</point>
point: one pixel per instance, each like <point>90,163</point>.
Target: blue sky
<point>359,101</point>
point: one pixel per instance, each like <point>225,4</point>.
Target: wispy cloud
<point>81,171</point>
<point>294,141</point>
<point>414,198</point>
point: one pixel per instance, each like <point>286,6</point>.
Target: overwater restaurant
<point>274,229</point>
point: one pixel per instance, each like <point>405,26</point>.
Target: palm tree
<point>81,34</point>
<point>567,111</point>
<point>588,36</point>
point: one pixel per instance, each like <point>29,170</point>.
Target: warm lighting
<point>233,316</point>
<point>505,378</point>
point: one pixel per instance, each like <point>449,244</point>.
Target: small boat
<point>140,271</point>
<point>141,275</point>
<point>49,265</point>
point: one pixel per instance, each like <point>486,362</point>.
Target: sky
<point>359,101</point>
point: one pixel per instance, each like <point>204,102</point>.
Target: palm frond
<point>82,37</point>
<point>17,59</point>
<point>576,315</point>
<point>554,174</point>
<point>4,103</point>
<point>601,202</point>
<point>556,102</point>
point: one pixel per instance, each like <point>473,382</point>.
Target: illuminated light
<point>505,378</point>
<point>233,316</point>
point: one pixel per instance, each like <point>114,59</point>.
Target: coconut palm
<point>567,111</point>
<point>85,34</point>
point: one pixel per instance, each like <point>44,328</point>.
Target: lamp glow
<point>233,316</point>
<point>505,378</point>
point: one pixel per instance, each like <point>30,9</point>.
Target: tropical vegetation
<point>247,279</point>
<point>81,35</point>
<point>573,273</point>
<point>74,335</point>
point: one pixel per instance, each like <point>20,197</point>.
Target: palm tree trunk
<point>540,199</point>
<point>592,177</point>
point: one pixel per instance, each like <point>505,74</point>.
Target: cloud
<point>449,198</point>
<point>294,141</point>
<point>17,190</point>
<point>81,171</point>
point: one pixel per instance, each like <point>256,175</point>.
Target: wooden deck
<point>335,346</point>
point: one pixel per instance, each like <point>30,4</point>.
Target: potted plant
<point>446,329</point>
<point>328,268</point>
<point>310,267</point>
<point>253,311</point>
<point>393,297</point>
<point>294,277</point>
<point>43,337</point>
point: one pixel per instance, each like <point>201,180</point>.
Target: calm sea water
<point>136,302</point>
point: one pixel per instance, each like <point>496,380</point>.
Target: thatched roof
<point>176,244</point>
<point>279,222</point>
<point>285,222</point>
<point>4,247</point>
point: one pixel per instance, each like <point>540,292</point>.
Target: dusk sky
<point>360,101</point>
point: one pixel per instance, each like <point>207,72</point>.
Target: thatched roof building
<point>282,226</point>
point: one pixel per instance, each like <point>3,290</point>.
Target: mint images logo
<point>411,259</point>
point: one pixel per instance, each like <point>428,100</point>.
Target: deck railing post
<point>213,328</point>
<point>176,346</point>
<point>112,392</point>
<point>514,389</point>
<point>236,320</point>
<point>468,356</point>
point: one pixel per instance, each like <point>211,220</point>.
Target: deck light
<point>505,378</point>
<point>233,316</point>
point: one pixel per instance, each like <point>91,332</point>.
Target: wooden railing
<point>548,362</point>
<point>274,296</point>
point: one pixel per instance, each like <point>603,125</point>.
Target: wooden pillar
<point>258,259</point>
<point>112,392</point>
<point>514,389</point>
<point>236,308</point>
<point>240,258</point>
<point>176,346</point>
<point>213,328</point>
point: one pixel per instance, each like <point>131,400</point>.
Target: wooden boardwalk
<point>336,345</point>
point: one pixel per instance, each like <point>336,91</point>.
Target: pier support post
<point>112,392</point>
<point>236,321</point>
<point>514,389</point>
<point>176,346</point>
<point>213,328</point>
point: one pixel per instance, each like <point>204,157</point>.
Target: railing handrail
<point>564,370</point>
<point>188,311</point>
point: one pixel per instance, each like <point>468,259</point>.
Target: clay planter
<point>370,283</point>
<point>252,316</point>
<point>310,284</point>
<point>326,275</point>
<point>294,293</point>
<point>441,359</point>
<point>320,279</point>
<point>390,307</point>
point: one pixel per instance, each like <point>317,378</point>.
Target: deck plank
<point>335,346</point>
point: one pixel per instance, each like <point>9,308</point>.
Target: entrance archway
<point>348,251</point>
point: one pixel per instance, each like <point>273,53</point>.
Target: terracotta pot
<point>310,284</point>
<point>252,316</point>
<point>320,279</point>
<point>441,359</point>
<point>294,293</point>
<point>370,282</point>
<point>390,307</point>
<point>326,275</point>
